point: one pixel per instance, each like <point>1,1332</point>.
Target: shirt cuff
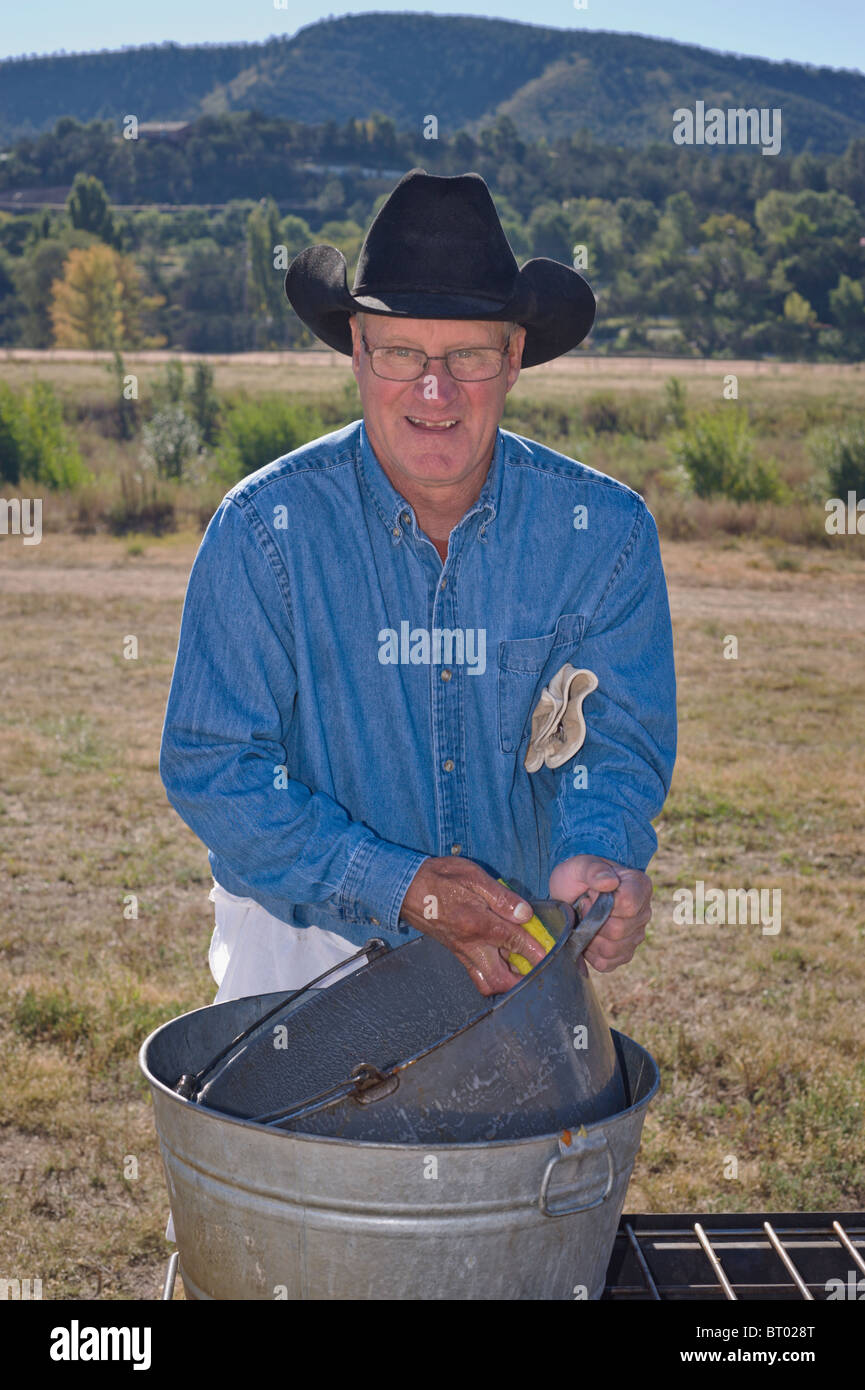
<point>377,880</point>
<point>586,844</point>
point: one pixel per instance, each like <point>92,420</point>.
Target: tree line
<point>690,252</point>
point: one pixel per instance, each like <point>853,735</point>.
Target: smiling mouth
<point>440,425</point>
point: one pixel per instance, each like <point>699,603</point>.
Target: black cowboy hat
<point>437,250</point>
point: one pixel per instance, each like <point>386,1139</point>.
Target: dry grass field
<point>760,1038</point>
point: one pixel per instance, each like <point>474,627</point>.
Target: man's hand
<point>626,925</point>
<point>460,905</point>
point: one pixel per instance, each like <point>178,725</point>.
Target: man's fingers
<point>623,931</point>
<point>489,973</point>
<point>477,919</point>
<point>503,901</point>
<point>509,906</point>
<point>619,928</point>
<point>616,942</point>
<point>634,894</point>
<point>509,939</point>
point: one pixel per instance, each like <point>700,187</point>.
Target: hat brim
<point>553,302</point>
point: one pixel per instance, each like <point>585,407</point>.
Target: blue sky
<point>828,32</point>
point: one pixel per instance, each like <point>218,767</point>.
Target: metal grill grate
<point>750,1255</point>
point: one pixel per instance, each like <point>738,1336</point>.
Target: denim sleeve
<point>223,755</point>
<point>630,745</point>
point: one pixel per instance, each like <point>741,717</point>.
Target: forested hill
<point>622,88</point>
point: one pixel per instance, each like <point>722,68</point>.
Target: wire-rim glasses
<point>395,363</point>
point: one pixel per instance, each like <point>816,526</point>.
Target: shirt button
<point>444,584</point>
<point>396,531</point>
<point>406,518</point>
<point>449,765</point>
<point>375,921</point>
<point>456,849</point>
<point>446,675</point>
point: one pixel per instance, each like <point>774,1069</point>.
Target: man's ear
<point>518,338</point>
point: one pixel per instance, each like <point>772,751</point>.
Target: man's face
<point>400,415</point>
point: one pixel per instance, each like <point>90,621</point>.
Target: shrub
<point>258,431</point>
<point>841,452</point>
<point>204,402</point>
<point>677,409</point>
<point>126,406</point>
<point>608,413</point>
<point>717,451</point>
<point>171,442</point>
<point>142,506</point>
<point>34,442</point>
<point>169,386</point>
<point>602,413</point>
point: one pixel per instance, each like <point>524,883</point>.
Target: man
<point>376,705</point>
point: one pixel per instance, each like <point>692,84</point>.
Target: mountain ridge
<point>466,70</point>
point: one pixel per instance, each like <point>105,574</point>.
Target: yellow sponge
<point>535,928</point>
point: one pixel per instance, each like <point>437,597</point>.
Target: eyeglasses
<point>464,364</point>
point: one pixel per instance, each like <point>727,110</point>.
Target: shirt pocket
<point>523,663</point>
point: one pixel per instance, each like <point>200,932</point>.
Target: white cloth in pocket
<point>558,726</point>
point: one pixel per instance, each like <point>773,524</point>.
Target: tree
<point>266,297</point>
<point>204,402</point>
<point>208,298</point>
<point>99,301</point>
<point>35,273</point>
<point>89,209</point>
<point>550,233</point>
<point>847,302</point>
<point>10,304</point>
<point>295,235</point>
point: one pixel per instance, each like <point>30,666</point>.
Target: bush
<point>142,506</point>
<point>717,452</point>
<point>841,452</point>
<point>608,413</point>
<point>171,442</point>
<point>602,413</point>
<point>126,406</point>
<point>34,442</point>
<point>204,402</point>
<point>677,407</point>
<point>258,431</point>
<point>169,386</point>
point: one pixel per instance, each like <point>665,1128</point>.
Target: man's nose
<point>436,384</point>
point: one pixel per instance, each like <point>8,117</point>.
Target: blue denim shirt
<point>323,741</point>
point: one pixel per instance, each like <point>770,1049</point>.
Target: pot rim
<point>220,1117</point>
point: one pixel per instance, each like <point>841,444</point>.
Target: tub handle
<point>578,1148</point>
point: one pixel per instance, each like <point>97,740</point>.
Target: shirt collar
<point>390,505</point>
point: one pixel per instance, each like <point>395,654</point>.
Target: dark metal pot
<point>406,1051</point>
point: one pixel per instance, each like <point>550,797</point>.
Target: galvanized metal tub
<point>262,1213</point>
